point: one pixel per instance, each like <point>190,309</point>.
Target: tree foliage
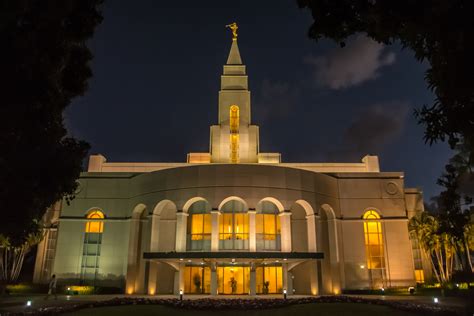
<point>45,64</point>
<point>437,31</point>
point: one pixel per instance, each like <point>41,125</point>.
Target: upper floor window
<point>268,232</point>
<point>234,226</point>
<point>199,226</point>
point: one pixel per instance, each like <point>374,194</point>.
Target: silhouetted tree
<point>44,64</point>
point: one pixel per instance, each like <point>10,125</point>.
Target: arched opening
<point>234,225</point>
<point>306,275</point>
<point>374,248</point>
<point>92,244</point>
<point>299,229</point>
<point>267,227</point>
<point>162,276</point>
<point>199,226</point>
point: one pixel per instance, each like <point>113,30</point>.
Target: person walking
<point>52,288</point>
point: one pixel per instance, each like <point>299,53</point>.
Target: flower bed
<point>243,304</point>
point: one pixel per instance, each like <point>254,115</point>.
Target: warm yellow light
<point>234,133</point>
<point>419,276</point>
<point>373,240</point>
<point>95,226</point>
<point>130,290</point>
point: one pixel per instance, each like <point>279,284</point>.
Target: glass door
<point>233,280</point>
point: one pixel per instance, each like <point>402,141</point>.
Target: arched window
<point>92,246</point>
<point>199,226</point>
<point>374,247</point>
<point>234,226</point>
<point>267,226</point>
<point>95,226</point>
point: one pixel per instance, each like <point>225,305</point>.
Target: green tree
<point>45,64</point>
<point>437,31</point>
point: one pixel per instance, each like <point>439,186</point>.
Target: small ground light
<point>284,294</point>
<point>383,290</point>
<point>411,290</point>
<point>28,303</point>
<point>435,300</point>
<point>180,295</point>
<point>362,266</point>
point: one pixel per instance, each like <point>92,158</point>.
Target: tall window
<point>234,226</point>
<point>234,133</point>
<point>374,248</point>
<point>199,226</point>
<point>91,248</point>
<point>267,227</point>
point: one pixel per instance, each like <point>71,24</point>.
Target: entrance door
<point>233,280</point>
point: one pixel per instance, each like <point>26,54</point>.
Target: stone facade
<point>234,220</point>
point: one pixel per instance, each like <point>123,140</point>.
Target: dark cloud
<point>275,100</point>
<point>360,60</point>
<point>372,129</point>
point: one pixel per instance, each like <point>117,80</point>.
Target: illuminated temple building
<point>234,220</point>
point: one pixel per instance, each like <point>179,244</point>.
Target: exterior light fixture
<point>68,288</point>
<point>28,303</point>
<point>284,294</point>
<point>277,261</point>
<point>284,259</point>
<point>189,260</point>
<point>180,295</point>
<point>233,260</point>
<point>383,290</point>
<point>202,262</point>
<point>435,300</point>
<point>180,259</point>
<point>411,290</point>
<point>362,266</point>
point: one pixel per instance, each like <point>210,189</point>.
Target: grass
<point>319,309</point>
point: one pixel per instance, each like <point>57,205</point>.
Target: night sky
<point>156,81</point>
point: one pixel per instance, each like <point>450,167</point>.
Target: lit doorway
<point>269,280</point>
<point>197,280</point>
<point>233,280</point>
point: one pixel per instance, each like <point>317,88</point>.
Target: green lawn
<point>319,309</point>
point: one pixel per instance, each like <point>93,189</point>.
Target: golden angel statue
<point>234,28</point>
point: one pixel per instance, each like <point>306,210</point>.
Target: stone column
<point>313,273</point>
<point>215,230</point>
<point>214,279</point>
<point>253,280</point>
<point>132,261</point>
<point>311,225</point>
<point>287,284</point>
<point>285,224</point>
<point>252,231</point>
<point>181,226</point>
<point>153,268</point>
<point>180,279</point>
<point>312,247</point>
